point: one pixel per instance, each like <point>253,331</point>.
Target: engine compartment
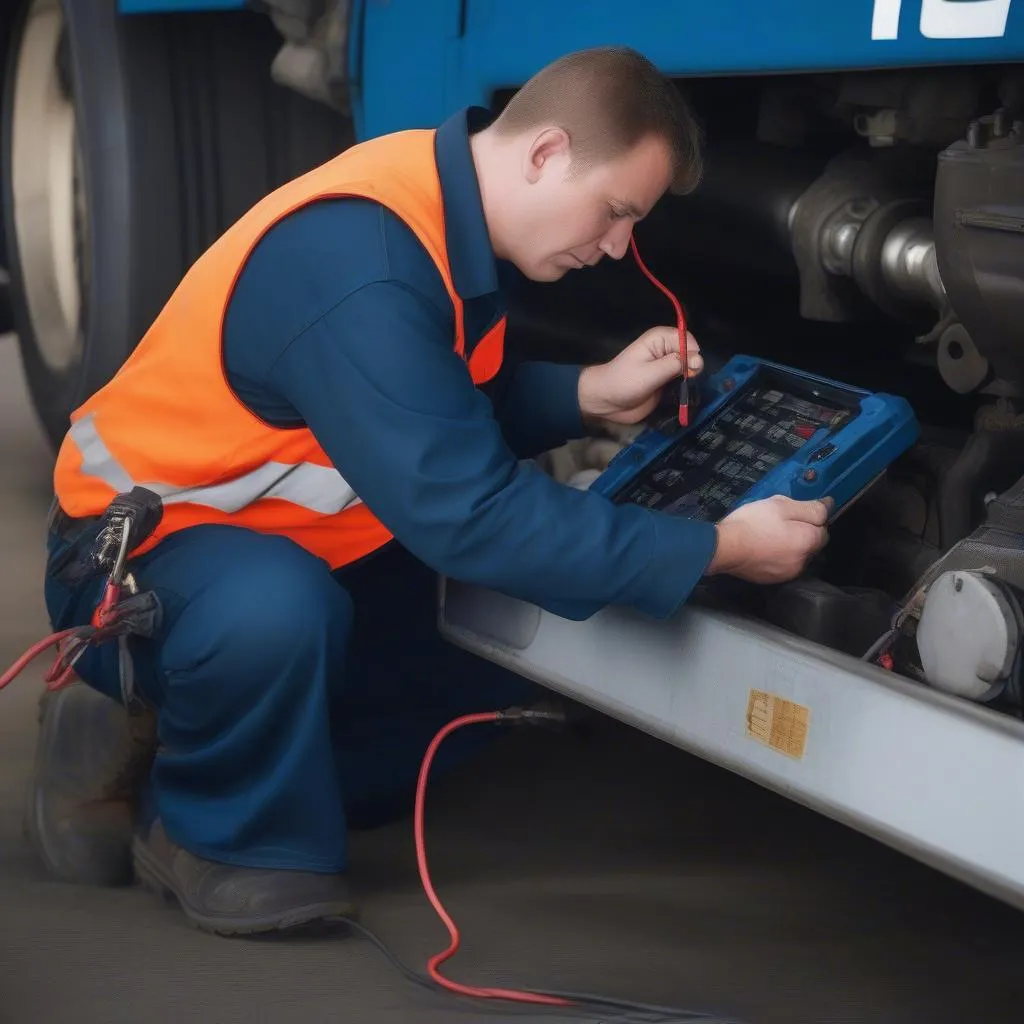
<point>867,227</point>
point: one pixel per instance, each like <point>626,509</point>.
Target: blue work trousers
<point>292,702</point>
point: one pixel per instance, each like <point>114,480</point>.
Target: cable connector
<point>530,716</point>
<point>128,521</point>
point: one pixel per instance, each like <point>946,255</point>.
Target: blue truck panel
<point>170,6</point>
<point>411,62</point>
<point>415,62</point>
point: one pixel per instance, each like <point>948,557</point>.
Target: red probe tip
<point>684,400</point>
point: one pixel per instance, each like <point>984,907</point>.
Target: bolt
<point>810,475</point>
<point>958,584</point>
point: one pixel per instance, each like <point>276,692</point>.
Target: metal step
<point>935,777</point>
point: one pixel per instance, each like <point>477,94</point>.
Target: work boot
<point>230,900</point>
<point>92,759</point>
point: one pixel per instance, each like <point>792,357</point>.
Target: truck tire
<point>128,145</point>
<point>6,316</point>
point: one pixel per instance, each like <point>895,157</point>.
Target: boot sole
<point>313,917</point>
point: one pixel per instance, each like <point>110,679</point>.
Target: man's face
<point>572,221</point>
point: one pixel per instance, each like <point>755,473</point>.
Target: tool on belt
<point>123,610</point>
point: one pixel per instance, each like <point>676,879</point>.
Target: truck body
<point>864,199</point>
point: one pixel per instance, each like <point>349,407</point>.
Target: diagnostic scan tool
<point>763,429</point>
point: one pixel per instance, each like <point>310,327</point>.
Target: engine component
<point>858,226</point>
<point>979,236</point>
<point>312,60</point>
<point>963,620</point>
<point>908,263</point>
<point>995,546</point>
<point>704,228</point>
<point>990,461</point>
<point>927,108</point>
<point>889,251</point>
<point>844,618</point>
<point>961,365</point>
<point>894,263</point>
<point>862,230</point>
<point>969,635</point>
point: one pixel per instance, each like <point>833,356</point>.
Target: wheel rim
<point>50,215</point>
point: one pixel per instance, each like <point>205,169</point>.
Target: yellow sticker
<point>779,724</point>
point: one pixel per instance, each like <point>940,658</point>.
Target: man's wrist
<point>685,544</point>
<point>588,392</point>
<point>728,550</point>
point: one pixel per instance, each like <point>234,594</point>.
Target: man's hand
<point>771,541</point>
<point>627,388</point>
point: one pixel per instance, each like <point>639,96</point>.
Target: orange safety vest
<point>169,421</point>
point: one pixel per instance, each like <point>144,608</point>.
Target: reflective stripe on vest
<point>317,488</point>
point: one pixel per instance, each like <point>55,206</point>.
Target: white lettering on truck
<point>945,19</point>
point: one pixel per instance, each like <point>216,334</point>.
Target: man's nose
<point>616,241</point>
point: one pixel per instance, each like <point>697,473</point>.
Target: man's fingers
<point>664,341</point>
<point>815,513</point>
<point>659,372</point>
<point>694,360</point>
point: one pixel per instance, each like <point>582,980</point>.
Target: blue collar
<point>474,267</point>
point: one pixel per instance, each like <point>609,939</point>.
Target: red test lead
<point>684,389</point>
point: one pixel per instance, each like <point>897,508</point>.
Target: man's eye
<point>618,214</point>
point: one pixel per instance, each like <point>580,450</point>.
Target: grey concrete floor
<point>613,863</point>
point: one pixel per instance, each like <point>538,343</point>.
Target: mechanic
<point>325,403</point>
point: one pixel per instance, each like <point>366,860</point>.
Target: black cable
<point>666,1014</point>
<point>423,981</point>
<point>584,1003</point>
<point>407,972</point>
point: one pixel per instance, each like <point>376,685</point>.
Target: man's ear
<point>550,145</point>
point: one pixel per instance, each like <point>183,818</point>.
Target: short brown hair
<point>607,100</point>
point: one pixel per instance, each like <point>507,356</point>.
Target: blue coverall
<point>291,701</point>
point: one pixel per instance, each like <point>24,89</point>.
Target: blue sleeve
<point>538,408</point>
<point>306,263</point>
<point>377,382</point>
